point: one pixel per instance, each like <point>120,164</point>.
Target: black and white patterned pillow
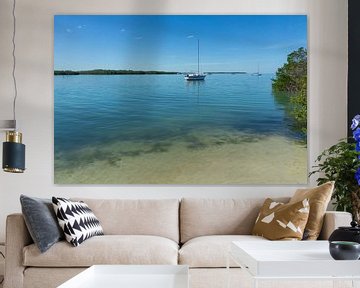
<point>77,220</point>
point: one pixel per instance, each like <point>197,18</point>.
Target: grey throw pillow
<point>41,221</point>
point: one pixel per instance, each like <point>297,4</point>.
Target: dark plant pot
<point>343,250</point>
<point>351,234</point>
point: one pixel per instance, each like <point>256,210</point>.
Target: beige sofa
<point>194,232</point>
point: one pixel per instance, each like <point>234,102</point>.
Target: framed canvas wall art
<point>180,99</point>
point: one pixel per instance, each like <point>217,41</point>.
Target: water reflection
<point>194,88</point>
<point>283,102</point>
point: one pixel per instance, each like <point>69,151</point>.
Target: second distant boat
<point>256,73</point>
<point>196,76</point>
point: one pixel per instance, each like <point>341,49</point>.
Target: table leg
<point>255,283</point>
<point>355,283</point>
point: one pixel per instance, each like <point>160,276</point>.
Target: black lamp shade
<point>13,155</point>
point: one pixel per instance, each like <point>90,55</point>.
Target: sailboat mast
<point>196,76</point>
<point>198,57</point>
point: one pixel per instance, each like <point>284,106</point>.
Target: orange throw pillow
<point>319,198</point>
<point>279,221</point>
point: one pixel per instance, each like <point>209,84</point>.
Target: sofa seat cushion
<point>211,251</point>
<point>107,249</point>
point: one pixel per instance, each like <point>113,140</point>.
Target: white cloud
<point>190,36</point>
<point>81,26</point>
<point>122,30</point>
<point>138,37</point>
<point>68,30</point>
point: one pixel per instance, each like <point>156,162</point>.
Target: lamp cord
<point>14,61</point>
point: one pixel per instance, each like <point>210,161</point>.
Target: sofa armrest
<point>333,220</point>
<point>17,237</point>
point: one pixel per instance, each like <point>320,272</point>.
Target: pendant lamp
<point>13,150</point>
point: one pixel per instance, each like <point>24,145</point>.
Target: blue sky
<point>169,43</point>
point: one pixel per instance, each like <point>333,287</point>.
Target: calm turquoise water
<point>93,109</point>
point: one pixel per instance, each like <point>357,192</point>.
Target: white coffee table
<point>297,260</point>
<point>131,276</point>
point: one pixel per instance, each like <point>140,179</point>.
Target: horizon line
<point>140,70</point>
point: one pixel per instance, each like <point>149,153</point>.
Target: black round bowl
<point>344,250</point>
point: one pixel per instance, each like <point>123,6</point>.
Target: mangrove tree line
<point>291,78</point>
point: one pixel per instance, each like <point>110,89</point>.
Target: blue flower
<point>355,122</point>
<point>355,126</point>
<point>356,134</point>
<point>357,176</point>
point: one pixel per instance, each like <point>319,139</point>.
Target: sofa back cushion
<point>200,217</point>
<point>158,217</point>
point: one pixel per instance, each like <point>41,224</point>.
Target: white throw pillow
<point>77,220</point>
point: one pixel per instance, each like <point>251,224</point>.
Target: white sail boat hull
<point>195,77</point>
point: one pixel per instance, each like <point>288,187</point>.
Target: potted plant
<point>341,163</point>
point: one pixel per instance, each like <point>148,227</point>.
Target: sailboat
<point>256,73</point>
<point>196,76</point>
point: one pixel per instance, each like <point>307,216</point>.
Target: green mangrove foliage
<point>291,79</point>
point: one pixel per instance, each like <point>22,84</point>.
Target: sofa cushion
<point>211,251</point>
<point>279,221</point>
<point>200,217</point>
<point>319,198</point>
<point>77,220</point>
<point>35,277</point>
<point>41,221</point>
<point>107,249</point>
<point>158,217</point>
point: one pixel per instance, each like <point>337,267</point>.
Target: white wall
<point>327,93</point>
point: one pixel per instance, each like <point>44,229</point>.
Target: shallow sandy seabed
<point>218,160</point>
